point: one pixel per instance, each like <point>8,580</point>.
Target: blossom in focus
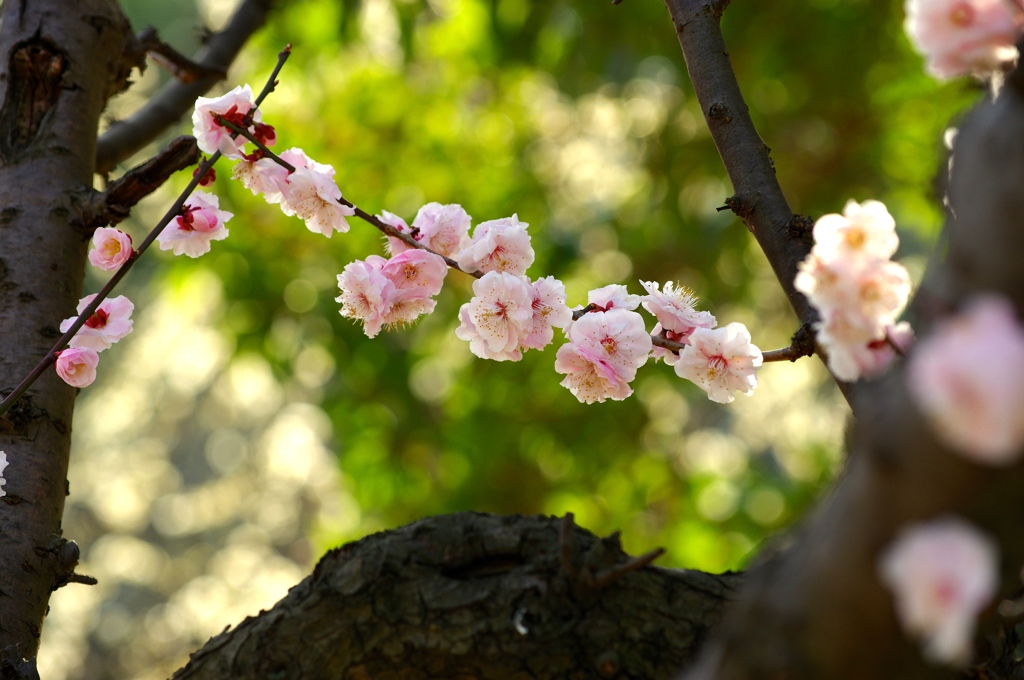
<point>497,246</point>
<point>200,222</point>
<point>3,466</point>
<point>968,380</point>
<point>863,230</point>
<point>674,307</point>
<point>499,317</point>
<point>960,37</point>
<point>942,574</point>
<point>77,366</point>
<point>364,294</point>
<point>262,175</point>
<point>416,276</point>
<point>549,312</point>
<point>111,321</point>
<point>660,353</point>
<point>210,135</point>
<point>313,195</point>
<point>615,296</point>
<point>604,351</point>
<point>441,228</point>
<point>111,248</point>
<point>721,361</point>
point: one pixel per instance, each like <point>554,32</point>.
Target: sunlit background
<point>245,427</point>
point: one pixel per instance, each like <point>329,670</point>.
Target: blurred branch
<point>167,106</point>
<point>177,64</point>
<point>475,595</point>
<point>758,200</point>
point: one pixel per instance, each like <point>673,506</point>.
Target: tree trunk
<point>475,596</point>
<point>63,61</point>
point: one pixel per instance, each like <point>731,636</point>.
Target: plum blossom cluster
<point>963,37</point>
<point>76,365</point>
<point>302,188</point>
<point>968,380</point>
<point>858,291</point>
<point>509,313</point>
<point>720,360</point>
<point>942,574</point>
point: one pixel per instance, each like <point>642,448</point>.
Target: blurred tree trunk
<point>62,62</point>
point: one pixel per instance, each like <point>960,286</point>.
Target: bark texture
<point>475,596</point>
<point>61,62</point>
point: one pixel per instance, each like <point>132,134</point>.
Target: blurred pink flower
<point>864,230</point>
<point>968,379</point>
<point>111,248</point>
<point>942,574</point>
<point>960,37</point>
<point>721,361</point>
<point>77,366</point>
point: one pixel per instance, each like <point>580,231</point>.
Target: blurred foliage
<point>579,117</point>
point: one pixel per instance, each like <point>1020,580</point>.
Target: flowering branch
<point>125,137</point>
<point>172,212</point>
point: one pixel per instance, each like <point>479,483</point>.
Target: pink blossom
<point>549,312</point>
<point>660,353</point>
<point>675,308</point>
<point>3,466</point>
<point>211,135</point>
<point>111,248</point>
<point>262,176</point>
<point>441,228</point>
<point>604,351</point>
<point>313,196</point>
<point>864,230</point>
<point>77,366</point>
<point>499,317</point>
<point>959,37</point>
<point>396,245</point>
<point>416,270</point>
<point>111,321</point>
<point>968,380</point>
<point>364,294</point>
<point>721,361</point>
<point>942,574</point>
<point>200,223</point>
<point>497,246</point>
<point>614,296</point>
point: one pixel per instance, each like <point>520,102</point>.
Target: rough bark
<point>61,62</point>
<point>475,596</point>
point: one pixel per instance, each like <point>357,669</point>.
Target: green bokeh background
<point>578,116</point>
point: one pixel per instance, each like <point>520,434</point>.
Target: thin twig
<point>171,213</point>
<point>385,228</point>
